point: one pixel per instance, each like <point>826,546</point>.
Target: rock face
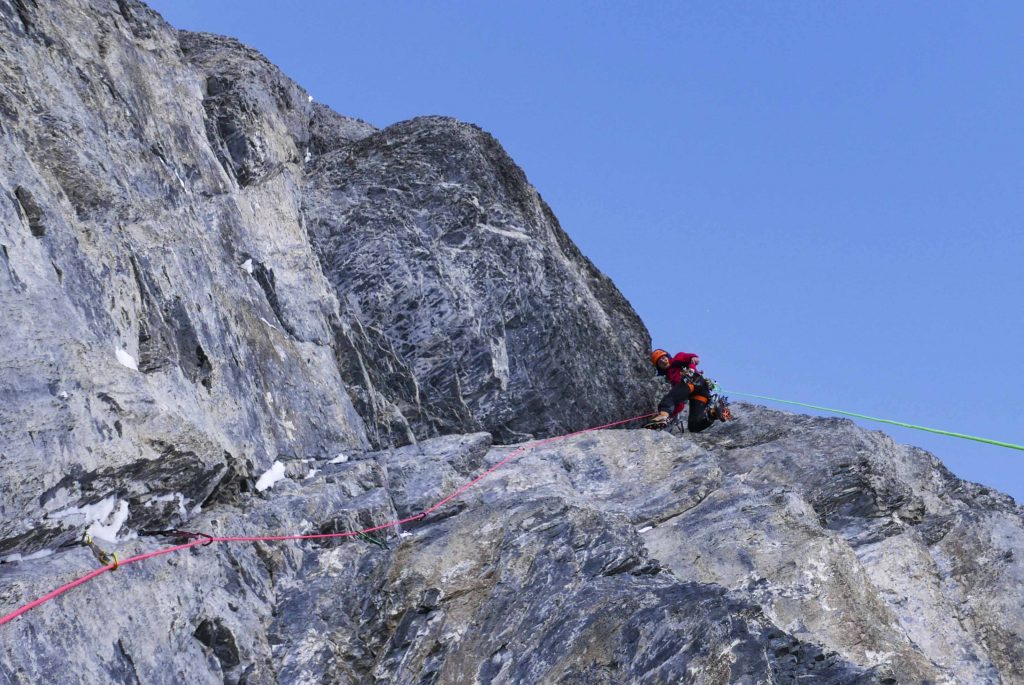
<point>464,306</point>
<point>476,295</point>
<point>166,332</point>
<point>171,330</point>
<point>206,279</point>
<point>886,554</point>
<point>610,557</point>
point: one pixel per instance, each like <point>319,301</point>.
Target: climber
<point>687,384</point>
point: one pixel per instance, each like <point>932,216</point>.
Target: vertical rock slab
<point>166,324</point>
<point>482,313</point>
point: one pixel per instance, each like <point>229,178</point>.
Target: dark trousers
<point>694,390</point>
<point>698,419</point>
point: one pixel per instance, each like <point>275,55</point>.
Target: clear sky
<point>824,200</point>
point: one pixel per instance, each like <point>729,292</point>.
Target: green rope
<point>875,418</point>
<point>372,540</point>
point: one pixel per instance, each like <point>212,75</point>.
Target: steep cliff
<point>206,278</point>
<point>171,330</point>
<point>167,332</point>
<point>434,235</point>
<point>464,306</point>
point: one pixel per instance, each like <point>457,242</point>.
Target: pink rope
<point>315,536</point>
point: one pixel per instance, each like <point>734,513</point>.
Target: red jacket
<point>682,360</point>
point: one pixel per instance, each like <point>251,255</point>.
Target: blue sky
<point>824,200</point>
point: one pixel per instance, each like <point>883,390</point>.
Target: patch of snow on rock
<point>109,528</point>
<point>26,557</point>
<point>271,476</point>
<point>127,360</point>
<point>104,518</point>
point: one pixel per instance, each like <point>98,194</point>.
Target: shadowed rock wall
<point>471,290</point>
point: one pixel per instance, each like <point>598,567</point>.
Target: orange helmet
<point>656,355</point>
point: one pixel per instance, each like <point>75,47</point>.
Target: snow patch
<point>340,459</point>
<point>60,499</point>
<point>312,472</point>
<point>172,497</point>
<point>105,517</point>
<point>730,647</point>
<point>126,359</point>
<point>108,529</point>
<point>271,476</point>
<point>11,558</point>
<point>247,265</point>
